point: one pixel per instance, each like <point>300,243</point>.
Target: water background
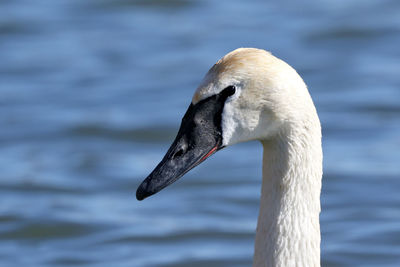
<point>92,93</point>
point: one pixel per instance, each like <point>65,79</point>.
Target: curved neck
<point>288,231</point>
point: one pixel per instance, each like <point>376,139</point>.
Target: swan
<point>249,94</point>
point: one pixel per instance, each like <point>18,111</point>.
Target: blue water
<point>92,93</point>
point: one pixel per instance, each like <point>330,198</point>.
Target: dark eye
<point>228,91</point>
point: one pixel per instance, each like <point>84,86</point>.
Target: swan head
<point>247,95</point>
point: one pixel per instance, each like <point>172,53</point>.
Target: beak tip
<point>139,196</point>
<point>143,191</point>
<point>140,193</point>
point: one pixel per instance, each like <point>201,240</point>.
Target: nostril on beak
<point>178,153</point>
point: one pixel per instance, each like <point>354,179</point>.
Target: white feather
<point>272,104</point>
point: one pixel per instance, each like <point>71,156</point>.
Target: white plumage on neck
<point>288,231</point>
<point>272,104</point>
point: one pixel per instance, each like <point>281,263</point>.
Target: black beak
<point>198,138</point>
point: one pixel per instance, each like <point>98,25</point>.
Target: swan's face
<point>241,98</point>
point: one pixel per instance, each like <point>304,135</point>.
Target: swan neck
<point>288,232</point>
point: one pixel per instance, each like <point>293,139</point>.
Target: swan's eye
<point>228,91</point>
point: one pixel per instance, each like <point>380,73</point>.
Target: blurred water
<point>92,93</point>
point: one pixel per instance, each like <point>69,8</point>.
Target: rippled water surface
<point>92,93</point>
